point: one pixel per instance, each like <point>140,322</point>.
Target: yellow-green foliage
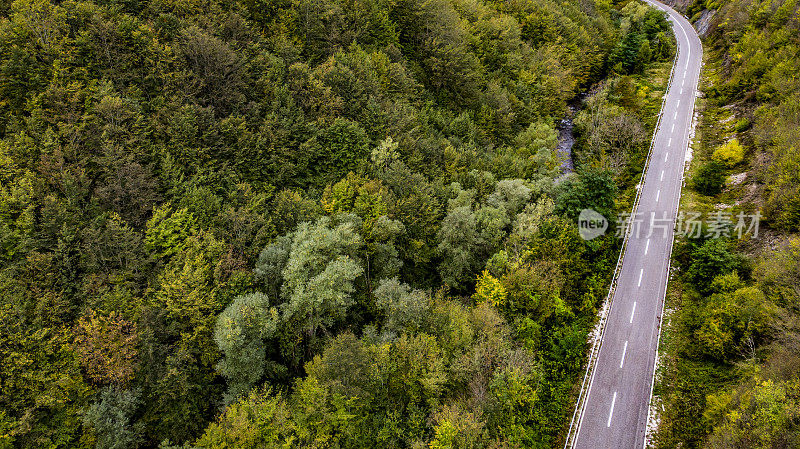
<point>758,414</point>
<point>358,195</point>
<point>446,434</point>
<point>490,290</point>
<point>783,189</point>
<point>729,154</point>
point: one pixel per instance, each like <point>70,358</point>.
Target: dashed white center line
<point>647,244</point>
<point>624,350</point>
<point>611,412</point>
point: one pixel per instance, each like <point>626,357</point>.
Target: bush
<point>731,321</point>
<point>712,259</point>
<point>709,179</point>
<point>729,154</point>
<point>782,207</point>
<point>743,124</point>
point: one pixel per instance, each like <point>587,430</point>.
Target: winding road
<point>614,412</point>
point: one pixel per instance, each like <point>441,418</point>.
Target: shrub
<point>729,154</point>
<point>709,261</point>
<point>709,179</point>
<point>743,124</point>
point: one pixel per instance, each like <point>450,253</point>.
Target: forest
<point>732,375</point>
<point>311,223</point>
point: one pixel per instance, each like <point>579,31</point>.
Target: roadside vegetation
<point>731,370</point>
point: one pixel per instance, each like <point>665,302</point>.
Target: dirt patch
<point>735,180</point>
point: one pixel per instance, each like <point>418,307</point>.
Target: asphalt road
<point>618,396</point>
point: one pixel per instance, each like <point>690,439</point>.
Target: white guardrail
<point>600,327</point>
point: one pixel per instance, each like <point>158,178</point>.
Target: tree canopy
<point>246,223</point>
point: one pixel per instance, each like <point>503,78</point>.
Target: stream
<point>566,139</point>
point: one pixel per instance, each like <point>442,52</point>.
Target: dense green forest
<point>308,223</point>
<point>732,375</point>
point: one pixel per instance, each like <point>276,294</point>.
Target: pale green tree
<point>111,418</point>
<point>405,308</point>
<point>318,281</point>
<point>240,332</point>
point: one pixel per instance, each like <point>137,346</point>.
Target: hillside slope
<point>732,378</point>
